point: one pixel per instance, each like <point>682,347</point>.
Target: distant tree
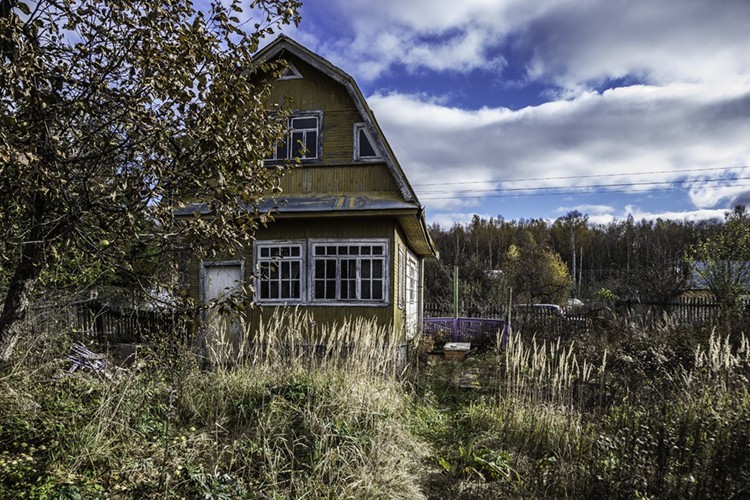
<point>111,111</point>
<point>536,273</point>
<point>571,228</point>
<point>658,270</point>
<point>722,259</point>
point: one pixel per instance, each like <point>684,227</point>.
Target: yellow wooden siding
<point>334,229</point>
<point>338,179</point>
<point>364,228</point>
<point>313,91</point>
<point>336,171</point>
<point>317,92</point>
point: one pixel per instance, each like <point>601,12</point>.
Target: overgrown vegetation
<point>628,413</point>
<point>285,423</point>
<point>618,413</point>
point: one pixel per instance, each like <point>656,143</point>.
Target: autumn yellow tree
<point>536,273</point>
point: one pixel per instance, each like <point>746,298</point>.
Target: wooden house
<point>349,235</point>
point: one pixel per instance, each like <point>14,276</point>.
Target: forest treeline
<point>570,257</point>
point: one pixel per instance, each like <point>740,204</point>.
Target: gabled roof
<point>412,218</point>
<point>285,44</point>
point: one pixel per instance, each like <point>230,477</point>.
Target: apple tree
<point>110,113</point>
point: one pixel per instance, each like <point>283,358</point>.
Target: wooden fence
<point>472,330</point>
<point>101,322</point>
<point>114,325</point>
<point>686,310</point>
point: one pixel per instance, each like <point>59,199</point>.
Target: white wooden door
<point>223,334</point>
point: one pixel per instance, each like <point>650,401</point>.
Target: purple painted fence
<point>466,329</point>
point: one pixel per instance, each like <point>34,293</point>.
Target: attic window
<point>290,73</point>
<point>364,148</point>
<point>303,139</point>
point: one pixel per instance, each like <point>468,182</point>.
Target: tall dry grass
<point>276,419</point>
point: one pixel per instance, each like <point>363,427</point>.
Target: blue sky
<point>530,109</point>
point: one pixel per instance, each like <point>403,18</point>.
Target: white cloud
<point>591,210</point>
<point>570,42</point>
<point>676,72</point>
<point>447,220</point>
<point>688,215</point>
<point>658,42</point>
<point>615,137</point>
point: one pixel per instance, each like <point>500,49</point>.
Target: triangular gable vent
<point>291,73</point>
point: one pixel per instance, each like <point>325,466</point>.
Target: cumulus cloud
<point>591,210</point>
<point>448,219</point>
<point>636,95</point>
<point>570,42</point>
<point>598,139</point>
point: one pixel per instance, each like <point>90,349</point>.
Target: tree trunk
<point>28,268</point>
<point>18,299</point>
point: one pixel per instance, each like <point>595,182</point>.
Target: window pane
<point>320,269</point>
<point>377,269</point>
<point>311,143</point>
<point>285,289</point>
<point>365,269</point>
<point>265,252</point>
<point>343,250</point>
<point>353,250</point>
<point>274,293</point>
<point>295,270</point>
<point>295,251</point>
<point>306,122</point>
<point>377,289</point>
<point>281,151</point>
<point>320,289</point>
<point>365,148</point>
<point>377,250</point>
<point>298,144</point>
<point>366,250</point>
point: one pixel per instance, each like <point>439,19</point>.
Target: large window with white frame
<point>303,139</point>
<point>279,271</point>
<point>349,271</point>
<point>322,272</point>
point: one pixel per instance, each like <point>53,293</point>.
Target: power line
<point>580,191</point>
<point>567,177</point>
<point>685,182</point>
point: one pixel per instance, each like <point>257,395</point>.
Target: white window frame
<point>401,276</point>
<point>258,259</point>
<point>290,68</point>
<point>363,128</point>
<point>358,301</point>
<point>310,155</point>
<point>412,278</point>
